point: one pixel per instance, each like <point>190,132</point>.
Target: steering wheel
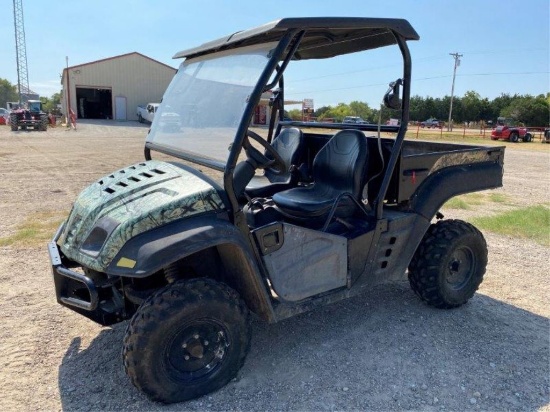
<point>261,161</point>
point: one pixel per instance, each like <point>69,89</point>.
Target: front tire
<point>14,123</point>
<point>43,123</point>
<point>514,136</point>
<point>140,118</point>
<point>448,266</point>
<point>527,138</point>
<point>188,339</point>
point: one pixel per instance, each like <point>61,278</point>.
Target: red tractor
<point>506,129</point>
<point>29,116</point>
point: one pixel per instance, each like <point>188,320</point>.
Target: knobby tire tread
<point>157,308</point>
<point>425,267</point>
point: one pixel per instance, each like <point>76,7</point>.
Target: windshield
<point>204,104</point>
<point>506,122</point>
<point>34,106</point>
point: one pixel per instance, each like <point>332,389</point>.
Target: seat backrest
<point>341,163</point>
<point>289,143</point>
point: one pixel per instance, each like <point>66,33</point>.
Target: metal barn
<point>112,88</point>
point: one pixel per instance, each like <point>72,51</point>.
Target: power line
<point>444,76</point>
<point>498,73</point>
<point>506,51</point>
<point>422,59</point>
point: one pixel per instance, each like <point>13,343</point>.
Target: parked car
<point>4,115</point>
<point>147,112</point>
<point>507,129</point>
<point>432,122</point>
<point>355,119</point>
<point>546,136</point>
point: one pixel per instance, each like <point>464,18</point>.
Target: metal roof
<point>325,36</point>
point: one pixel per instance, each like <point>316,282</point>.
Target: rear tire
<point>448,266</point>
<point>527,138</point>
<point>514,136</point>
<point>140,118</point>
<point>188,339</point>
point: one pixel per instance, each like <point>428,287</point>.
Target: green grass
<point>457,203</point>
<point>497,198</point>
<point>36,230</point>
<point>465,202</point>
<point>528,223</point>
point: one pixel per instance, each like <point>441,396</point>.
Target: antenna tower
<point>21,51</point>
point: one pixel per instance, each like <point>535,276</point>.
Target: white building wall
<point>139,79</point>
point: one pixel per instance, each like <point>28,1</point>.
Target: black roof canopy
<point>324,37</point>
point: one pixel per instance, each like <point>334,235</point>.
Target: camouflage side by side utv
<point>186,258</point>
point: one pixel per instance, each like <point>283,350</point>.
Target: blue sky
<point>505,43</point>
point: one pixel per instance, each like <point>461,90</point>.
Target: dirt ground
<point>384,350</point>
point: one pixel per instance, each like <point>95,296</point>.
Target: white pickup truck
<point>147,112</point>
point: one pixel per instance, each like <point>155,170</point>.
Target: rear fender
<point>453,181</point>
<point>152,251</point>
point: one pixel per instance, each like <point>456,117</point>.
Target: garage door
<point>94,102</point>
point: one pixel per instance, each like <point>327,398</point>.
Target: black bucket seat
<point>338,173</point>
<point>290,146</point>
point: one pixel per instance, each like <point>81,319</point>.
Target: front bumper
<point>32,123</point>
<point>92,298</point>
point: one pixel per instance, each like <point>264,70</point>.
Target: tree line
<point>8,93</point>
<point>527,109</point>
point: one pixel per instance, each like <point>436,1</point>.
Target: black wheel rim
<point>460,268</point>
<point>197,350</point>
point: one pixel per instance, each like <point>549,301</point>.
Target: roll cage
<point>301,39</point>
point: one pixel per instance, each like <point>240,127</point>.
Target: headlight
<point>98,235</point>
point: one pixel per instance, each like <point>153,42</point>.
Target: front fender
<point>154,250</point>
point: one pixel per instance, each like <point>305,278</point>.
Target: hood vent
<point>132,177</point>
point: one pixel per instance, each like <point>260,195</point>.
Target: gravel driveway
<point>384,350</point>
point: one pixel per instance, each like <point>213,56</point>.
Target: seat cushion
<point>260,186</point>
<point>338,169</point>
<point>310,201</point>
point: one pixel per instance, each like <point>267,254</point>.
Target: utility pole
<point>457,63</point>
<point>68,91</point>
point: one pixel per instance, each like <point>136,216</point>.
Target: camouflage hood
<point>131,201</point>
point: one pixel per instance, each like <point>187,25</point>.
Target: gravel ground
<point>383,350</point>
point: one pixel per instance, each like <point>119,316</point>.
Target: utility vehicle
<point>507,129</point>
<point>29,116</point>
<point>187,258</point>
